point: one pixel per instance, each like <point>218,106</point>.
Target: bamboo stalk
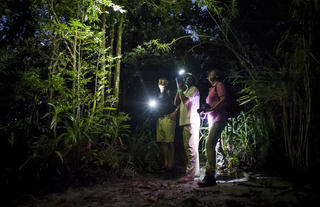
<point>118,61</point>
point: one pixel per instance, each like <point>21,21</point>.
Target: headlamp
<point>181,71</point>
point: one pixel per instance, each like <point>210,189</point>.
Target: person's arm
<point>174,113</point>
<point>177,100</point>
<point>220,102</point>
<point>220,89</point>
<point>180,97</point>
<point>190,95</point>
<point>183,98</point>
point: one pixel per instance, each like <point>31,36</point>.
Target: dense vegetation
<point>74,76</point>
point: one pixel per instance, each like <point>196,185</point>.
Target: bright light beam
<point>152,103</point>
<point>181,71</point>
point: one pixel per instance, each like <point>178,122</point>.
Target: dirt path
<point>151,191</point>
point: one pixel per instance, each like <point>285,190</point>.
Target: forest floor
<point>151,190</point>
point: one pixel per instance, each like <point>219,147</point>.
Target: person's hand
<point>179,91</point>
<point>202,115</point>
<point>204,108</point>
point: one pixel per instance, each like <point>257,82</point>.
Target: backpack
<point>232,105</point>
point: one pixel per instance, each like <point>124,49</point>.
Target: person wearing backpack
<point>217,120</point>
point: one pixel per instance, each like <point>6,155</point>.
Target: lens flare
<point>181,71</point>
<point>152,103</point>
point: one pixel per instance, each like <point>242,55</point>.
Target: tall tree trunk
<point>74,68</point>
<point>52,68</point>
<point>103,60</point>
<point>77,66</point>
<point>111,52</point>
<point>78,80</point>
<point>118,61</point>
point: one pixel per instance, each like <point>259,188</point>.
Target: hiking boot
<point>207,181</point>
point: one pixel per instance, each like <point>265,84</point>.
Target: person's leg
<point>194,143</point>
<point>160,140</point>
<point>170,154</point>
<point>169,130</point>
<point>164,150</point>
<point>213,136</point>
<point>186,142</point>
<point>191,143</point>
<point>190,169</point>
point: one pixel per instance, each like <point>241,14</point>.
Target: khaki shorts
<point>166,129</point>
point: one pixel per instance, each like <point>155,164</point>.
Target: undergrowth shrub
<point>243,144</point>
<point>143,149</point>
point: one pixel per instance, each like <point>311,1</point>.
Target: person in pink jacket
<point>217,119</point>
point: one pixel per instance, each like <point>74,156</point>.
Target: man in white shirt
<point>190,122</point>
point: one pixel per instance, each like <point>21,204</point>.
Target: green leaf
<point>59,155</point>
<point>110,108</point>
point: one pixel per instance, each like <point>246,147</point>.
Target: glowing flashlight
<point>152,103</point>
<point>181,71</point>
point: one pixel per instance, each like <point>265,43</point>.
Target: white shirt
<point>188,110</point>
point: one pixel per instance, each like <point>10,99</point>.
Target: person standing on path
<point>166,124</point>
<point>217,119</point>
<point>190,122</point>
